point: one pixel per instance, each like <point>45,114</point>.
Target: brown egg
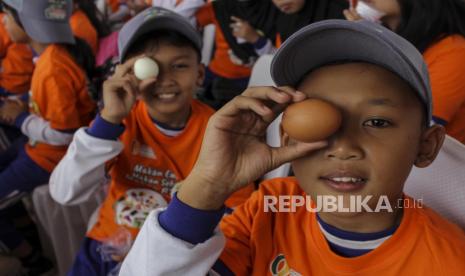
<point>311,120</point>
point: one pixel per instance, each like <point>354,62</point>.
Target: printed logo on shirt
<point>279,267</point>
<point>165,180</point>
<point>56,10</point>
<point>143,150</point>
<point>133,208</point>
<point>154,12</point>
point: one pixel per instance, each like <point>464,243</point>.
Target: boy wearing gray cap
<point>147,136</point>
<point>344,213</point>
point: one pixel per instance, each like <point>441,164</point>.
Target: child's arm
<point>233,154</point>
<point>82,169</point>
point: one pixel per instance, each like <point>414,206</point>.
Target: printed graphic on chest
<point>280,267</point>
<point>157,179</point>
<point>134,206</point>
<point>143,150</point>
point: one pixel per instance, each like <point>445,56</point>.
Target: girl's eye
<point>377,123</point>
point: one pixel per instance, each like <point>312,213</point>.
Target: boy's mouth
<point>166,96</point>
<point>344,182</point>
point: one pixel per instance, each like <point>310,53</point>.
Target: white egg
<point>145,68</point>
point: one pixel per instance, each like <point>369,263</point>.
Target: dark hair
<point>424,22</point>
<point>169,37</point>
<point>95,16</point>
<point>83,55</point>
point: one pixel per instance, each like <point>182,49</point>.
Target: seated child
<point>149,134</point>
<point>59,103</point>
<point>379,82</point>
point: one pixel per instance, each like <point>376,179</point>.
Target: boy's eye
<point>180,66</point>
<point>377,123</point>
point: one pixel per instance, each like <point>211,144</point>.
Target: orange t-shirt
<point>221,63</point>
<point>267,243</point>
<point>114,4</point>
<point>144,174</point>
<point>59,95</point>
<point>446,65</point>
<point>83,28</point>
<point>16,64</point>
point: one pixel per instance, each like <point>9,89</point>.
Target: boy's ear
<point>430,144</point>
<point>283,135</point>
<point>201,75</point>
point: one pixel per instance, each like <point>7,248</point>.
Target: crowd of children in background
<point>72,113</point>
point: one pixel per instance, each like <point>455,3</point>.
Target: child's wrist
<point>117,120</point>
<point>202,195</point>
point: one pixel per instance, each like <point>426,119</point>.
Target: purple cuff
<point>103,129</point>
<point>261,42</point>
<point>187,223</point>
<point>20,119</point>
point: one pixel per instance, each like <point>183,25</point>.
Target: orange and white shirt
<point>446,65</point>
<point>60,98</point>
<point>255,242</point>
<point>16,64</point>
<point>145,166</point>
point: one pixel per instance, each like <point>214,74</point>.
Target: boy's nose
<point>344,146</point>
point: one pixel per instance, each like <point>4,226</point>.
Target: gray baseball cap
<point>151,20</point>
<point>46,21</point>
<point>332,41</point>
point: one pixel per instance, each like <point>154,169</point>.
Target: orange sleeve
<point>237,229</point>
<point>205,15</point>
<point>17,68</point>
<point>61,97</point>
<point>5,40</point>
<point>447,75</point>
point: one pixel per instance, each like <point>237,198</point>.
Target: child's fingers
<point>275,94</point>
<point>242,103</point>
<point>292,152</point>
<point>147,83</point>
<point>236,19</point>
<point>122,69</point>
<point>276,98</point>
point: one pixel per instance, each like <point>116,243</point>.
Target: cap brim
<point>311,48</point>
<point>165,23</point>
<point>47,32</point>
<point>335,41</point>
<point>17,5</point>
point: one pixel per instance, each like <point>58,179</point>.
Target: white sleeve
<point>38,129</point>
<point>82,170</point>
<point>156,252</point>
<point>267,49</point>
